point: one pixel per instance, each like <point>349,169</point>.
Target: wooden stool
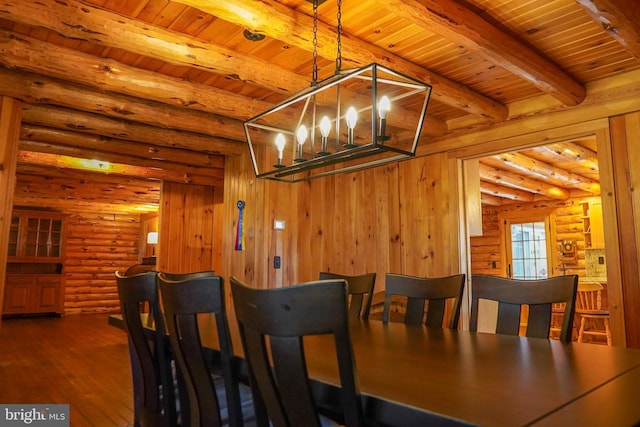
<point>589,308</point>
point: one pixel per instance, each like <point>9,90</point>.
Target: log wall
<point>98,245</point>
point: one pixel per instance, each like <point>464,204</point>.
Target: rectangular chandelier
<point>352,120</point>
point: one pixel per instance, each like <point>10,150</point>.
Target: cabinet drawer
<point>18,280</point>
<point>50,278</point>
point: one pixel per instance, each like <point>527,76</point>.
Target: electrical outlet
<point>276,262</point>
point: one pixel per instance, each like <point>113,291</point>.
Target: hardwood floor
<point>79,360</point>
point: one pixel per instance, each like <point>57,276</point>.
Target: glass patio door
<point>528,248</point>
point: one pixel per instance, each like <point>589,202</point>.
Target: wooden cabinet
<point>34,282</point>
<point>593,225</point>
<point>33,293</point>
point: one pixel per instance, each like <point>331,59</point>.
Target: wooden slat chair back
<point>434,291</point>
<point>538,295</point>
<point>153,385</point>
<point>183,302</point>
<point>285,315</point>
<point>589,310</point>
<point>589,298</point>
<point>360,289</point>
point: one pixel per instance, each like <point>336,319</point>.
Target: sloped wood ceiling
<point>160,88</point>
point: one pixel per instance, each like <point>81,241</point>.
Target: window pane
<point>529,250</point>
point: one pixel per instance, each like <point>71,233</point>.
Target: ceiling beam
<point>514,180</point>
<point>177,169</point>
<point>504,192</point>
<point>81,21</point>
<point>101,193</point>
<point>64,118</point>
<point>570,151</point>
<point>57,161</point>
<point>619,18</point>
<point>26,53</point>
<point>71,184</point>
<point>542,171</point>
<point>30,54</point>
<point>462,26</point>
<point>489,200</point>
<point>277,21</point>
<point>136,150</point>
<point>38,89</point>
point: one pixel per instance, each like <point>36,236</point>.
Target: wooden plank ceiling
<point>160,88</point>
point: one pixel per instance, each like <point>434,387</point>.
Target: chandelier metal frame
<point>352,120</point>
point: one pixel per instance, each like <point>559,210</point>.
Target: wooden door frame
<point>542,215</point>
<point>496,143</point>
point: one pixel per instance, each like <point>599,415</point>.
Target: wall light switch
<point>278,224</point>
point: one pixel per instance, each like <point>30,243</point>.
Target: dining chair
<point>182,392</point>
<point>153,381</point>
<point>360,290</point>
<point>434,291</point>
<point>539,295</point>
<point>285,316</point>
<point>214,393</point>
<point>590,312</point>
<point>177,277</point>
<point>138,269</point>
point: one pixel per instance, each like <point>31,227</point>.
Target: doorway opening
<point>541,212</point>
<point>552,191</point>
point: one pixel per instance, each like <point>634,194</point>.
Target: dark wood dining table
<point>417,376</point>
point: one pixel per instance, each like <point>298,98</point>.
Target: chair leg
<point>581,331</point>
<point>606,328</point>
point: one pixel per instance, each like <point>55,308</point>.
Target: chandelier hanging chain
<point>339,51</point>
<point>314,71</point>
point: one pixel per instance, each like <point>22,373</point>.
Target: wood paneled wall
<point>394,218</point>
<point>189,228</point>
<point>10,116</point>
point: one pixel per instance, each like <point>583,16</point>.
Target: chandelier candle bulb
<point>280,142</point>
<point>325,128</point>
<point>301,137</point>
<point>351,119</point>
<point>383,109</point>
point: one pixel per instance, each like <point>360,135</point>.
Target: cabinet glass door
<point>43,237</point>
<point>13,236</point>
